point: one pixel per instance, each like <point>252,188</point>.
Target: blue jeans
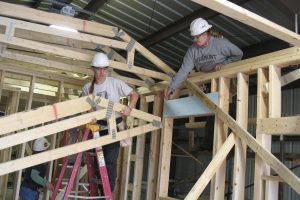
<point>28,194</point>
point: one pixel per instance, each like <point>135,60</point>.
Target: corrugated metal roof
<point>141,18</point>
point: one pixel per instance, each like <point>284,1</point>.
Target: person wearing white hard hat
<point>112,89</point>
<point>207,53</point>
<point>34,179</point>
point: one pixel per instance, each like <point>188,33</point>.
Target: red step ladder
<point>90,166</point>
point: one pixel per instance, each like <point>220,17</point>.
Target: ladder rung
<point>272,178</point>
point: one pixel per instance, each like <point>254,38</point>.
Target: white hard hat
<point>199,26</point>
<point>41,144</point>
<point>100,60</point>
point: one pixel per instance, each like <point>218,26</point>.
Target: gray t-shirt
<point>218,51</point>
<point>111,89</point>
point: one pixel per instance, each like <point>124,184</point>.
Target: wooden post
<point>220,135</point>
<point>2,83</point>
<point>165,157</point>
<point>23,146</point>
<point>274,111</point>
<point>214,88</point>
<point>191,133</point>
<point>140,149</point>
<point>154,151</point>
<point>53,140</point>
<point>5,155</point>
<point>240,147</point>
<point>262,112</point>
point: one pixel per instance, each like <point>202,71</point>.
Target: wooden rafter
<point>249,18</point>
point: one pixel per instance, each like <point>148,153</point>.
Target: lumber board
<point>60,110</point>
<point>153,165</point>
<point>262,112</point>
<point>48,31</point>
<point>43,17</point>
<point>251,19</point>
<point>268,157</point>
<point>147,54</point>
<point>279,125</point>
<point>165,157</point>
<point>139,152</point>
<point>282,58</point>
<point>139,70</point>
<point>211,169</point>
<point>220,135</point>
<point>47,156</point>
<point>240,152</point>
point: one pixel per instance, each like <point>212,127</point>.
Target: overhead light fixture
<point>64,28</point>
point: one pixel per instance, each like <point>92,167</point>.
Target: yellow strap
<point>93,127</point>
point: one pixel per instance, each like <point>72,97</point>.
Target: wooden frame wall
<point>73,59</point>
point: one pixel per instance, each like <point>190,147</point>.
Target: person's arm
<point>231,51</point>
<point>186,67</point>
<point>125,90</point>
<point>134,96</point>
<point>35,176</point>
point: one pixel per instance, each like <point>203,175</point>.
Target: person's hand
<point>218,67</point>
<point>168,92</point>
<point>94,121</point>
<point>126,110</point>
<point>49,186</point>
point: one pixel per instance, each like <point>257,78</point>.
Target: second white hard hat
<point>41,144</point>
<point>100,60</point>
<point>199,26</point>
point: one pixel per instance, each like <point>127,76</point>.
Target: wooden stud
<point>139,152</point>
<point>262,112</point>
<point>18,177</point>
<point>165,157</point>
<point>5,155</point>
<point>274,111</point>
<point>240,152</point>
<point>153,166</point>
<point>220,135</point>
<point>2,82</point>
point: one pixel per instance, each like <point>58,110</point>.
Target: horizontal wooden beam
<point>43,157</point>
<point>49,129</point>
<point>43,17</point>
<point>59,110</point>
<point>251,19</point>
<point>195,125</point>
<point>279,126</point>
<point>282,58</point>
<point>47,31</point>
<point>288,176</point>
<point>139,70</point>
<point>272,178</point>
<point>19,69</point>
<point>147,54</point>
<point>290,77</point>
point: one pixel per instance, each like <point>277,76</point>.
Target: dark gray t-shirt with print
<point>218,51</point>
